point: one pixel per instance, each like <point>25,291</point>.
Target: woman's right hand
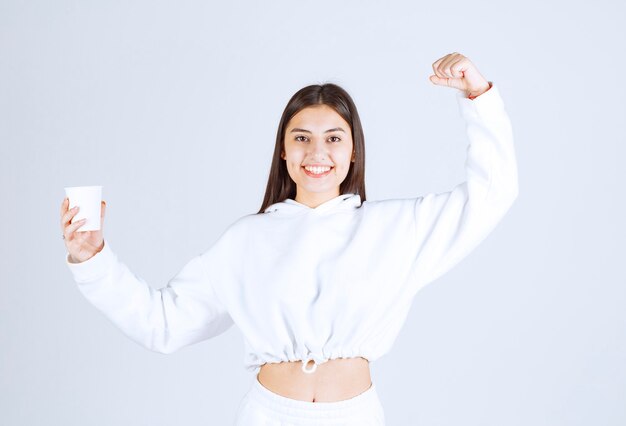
<point>81,245</point>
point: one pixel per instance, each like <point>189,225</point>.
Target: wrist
<point>473,94</point>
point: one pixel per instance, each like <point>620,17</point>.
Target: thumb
<point>99,238</point>
<point>448,82</point>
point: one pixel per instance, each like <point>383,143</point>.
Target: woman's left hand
<point>455,70</point>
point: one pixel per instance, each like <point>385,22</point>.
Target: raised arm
<point>450,225</point>
<point>184,312</point>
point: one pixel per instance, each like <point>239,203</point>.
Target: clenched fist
<point>455,70</point>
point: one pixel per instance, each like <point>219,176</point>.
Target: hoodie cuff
<point>481,105</point>
<point>93,268</point>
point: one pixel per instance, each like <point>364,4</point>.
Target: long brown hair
<point>280,186</point>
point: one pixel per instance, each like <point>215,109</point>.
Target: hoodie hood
<point>341,202</point>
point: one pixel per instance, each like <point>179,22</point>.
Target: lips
<point>311,174</point>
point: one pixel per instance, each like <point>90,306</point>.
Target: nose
<point>318,150</point>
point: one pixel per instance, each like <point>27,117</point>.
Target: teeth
<point>317,170</point>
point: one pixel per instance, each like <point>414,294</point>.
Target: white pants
<point>262,407</point>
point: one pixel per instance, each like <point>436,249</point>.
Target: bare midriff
<point>334,380</point>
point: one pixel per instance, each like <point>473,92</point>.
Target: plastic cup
<point>88,199</point>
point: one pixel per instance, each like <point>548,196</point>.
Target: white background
<point>173,108</point>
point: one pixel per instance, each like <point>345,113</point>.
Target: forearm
<point>163,320</point>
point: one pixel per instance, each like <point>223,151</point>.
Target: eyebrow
<point>336,129</point>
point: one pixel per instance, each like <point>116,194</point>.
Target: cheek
<point>294,154</point>
<point>343,159</point>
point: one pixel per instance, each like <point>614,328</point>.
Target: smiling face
<point>318,153</point>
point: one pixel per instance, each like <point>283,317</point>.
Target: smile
<point>317,171</point>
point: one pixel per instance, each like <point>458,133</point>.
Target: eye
<point>299,137</point>
<point>336,137</point>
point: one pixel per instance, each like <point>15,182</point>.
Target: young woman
<point>319,280</point>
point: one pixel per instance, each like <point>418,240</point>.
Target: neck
<point>314,199</point>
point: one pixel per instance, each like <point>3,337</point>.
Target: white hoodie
<point>334,281</point>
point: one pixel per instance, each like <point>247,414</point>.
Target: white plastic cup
<point>88,199</point>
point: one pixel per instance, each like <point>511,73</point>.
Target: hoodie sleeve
<point>450,225</point>
<point>184,312</point>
